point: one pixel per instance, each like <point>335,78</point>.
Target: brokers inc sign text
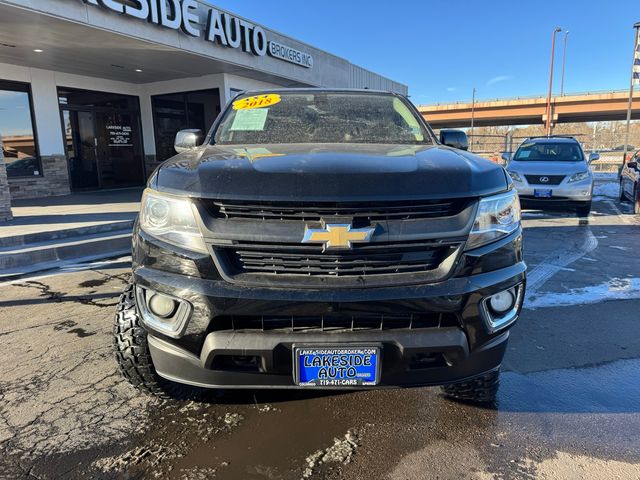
<point>221,28</point>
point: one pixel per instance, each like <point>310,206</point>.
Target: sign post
<point>635,79</point>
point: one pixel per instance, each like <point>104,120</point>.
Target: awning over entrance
<point>107,45</point>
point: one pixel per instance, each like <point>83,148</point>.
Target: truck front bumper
<point>448,347</point>
<point>203,354</point>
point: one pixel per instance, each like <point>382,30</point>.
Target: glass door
<point>81,148</point>
<point>103,138</point>
<point>119,147</point>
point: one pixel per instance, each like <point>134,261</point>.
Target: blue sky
<point>442,49</point>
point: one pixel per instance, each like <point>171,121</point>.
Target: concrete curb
<point>44,256</point>
<point>41,237</point>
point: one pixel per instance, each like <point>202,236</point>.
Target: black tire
<point>133,356</point>
<point>636,200</point>
<point>481,390</point>
<point>584,210</point>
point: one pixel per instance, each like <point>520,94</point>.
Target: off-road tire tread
<point>132,353</point>
<point>482,389</point>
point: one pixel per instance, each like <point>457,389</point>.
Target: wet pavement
<point>568,404</point>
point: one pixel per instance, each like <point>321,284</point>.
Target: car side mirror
<point>593,157</point>
<point>506,156</point>
<point>454,139</point>
<point>633,164</point>
<point>188,139</point>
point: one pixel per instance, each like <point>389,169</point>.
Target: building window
<point>177,111</point>
<point>19,144</point>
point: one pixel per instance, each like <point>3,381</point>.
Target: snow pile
<point>340,452</point>
<point>605,175</point>
<point>608,189</point>
<point>614,289</point>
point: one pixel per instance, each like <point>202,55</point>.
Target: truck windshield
<point>549,152</point>
<point>327,117</point>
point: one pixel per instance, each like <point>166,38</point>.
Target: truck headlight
<point>515,176</point>
<point>171,220</point>
<point>576,177</point>
<point>497,217</point>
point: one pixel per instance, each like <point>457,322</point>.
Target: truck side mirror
<point>454,139</point>
<point>188,139</point>
<point>632,164</point>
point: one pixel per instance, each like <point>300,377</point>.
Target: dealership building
<point>92,92</point>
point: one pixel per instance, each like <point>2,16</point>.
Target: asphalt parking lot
<point>568,405</point>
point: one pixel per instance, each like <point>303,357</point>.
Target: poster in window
<point>119,135</point>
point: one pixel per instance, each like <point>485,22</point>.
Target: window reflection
<point>177,111</point>
<point>17,132</point>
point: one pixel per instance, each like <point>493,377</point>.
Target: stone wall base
<point>5,196</point>
<point>54,180</point>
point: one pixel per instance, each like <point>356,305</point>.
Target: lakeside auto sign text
<point>221,28</point>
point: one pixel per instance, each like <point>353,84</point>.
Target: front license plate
<point>544,193</point>
<point>336,366</point>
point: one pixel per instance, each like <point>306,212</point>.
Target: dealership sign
<point>221,28</point>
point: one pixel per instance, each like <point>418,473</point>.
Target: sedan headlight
<point>515,176</point>
<point>576,177</point>
<point>171,220</point>
<point>497,217</point>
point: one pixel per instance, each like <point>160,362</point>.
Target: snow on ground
<point>614,289</point>
<point>608,189</point>
<point>605,175</point>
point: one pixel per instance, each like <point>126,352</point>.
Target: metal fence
<point>492,146</point>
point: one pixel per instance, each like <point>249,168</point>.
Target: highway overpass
<point>584,107</point>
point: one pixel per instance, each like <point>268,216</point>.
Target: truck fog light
<point>502,302</point>
<point>161,306</point>
<point>501,309</point>
<point>163,313</point>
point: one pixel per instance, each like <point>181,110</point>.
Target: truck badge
<point>335,236</point>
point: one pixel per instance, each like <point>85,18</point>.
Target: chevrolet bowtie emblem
<point>337,235</point>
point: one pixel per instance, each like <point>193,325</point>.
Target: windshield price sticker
<point>335,367</point>
<point>258,101</point>
<point>250,120</point>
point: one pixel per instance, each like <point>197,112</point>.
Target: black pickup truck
<point>322,238</point>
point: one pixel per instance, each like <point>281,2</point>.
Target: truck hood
<point>330,172</point>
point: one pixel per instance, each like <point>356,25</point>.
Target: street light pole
<point>636,55</point>
<point>548,112</point>
<point>473,114</point>
<point>564,59</point>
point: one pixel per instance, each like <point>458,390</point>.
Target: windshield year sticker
<point>259,101</point>
<point>250,120</point>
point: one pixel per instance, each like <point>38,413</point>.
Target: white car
<point>552,172</point>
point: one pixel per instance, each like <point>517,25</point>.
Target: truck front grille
<point>551,179</point>
<point>334,323</point>
<point>259,243</point>
<point>363,260</point>
<point>373,211</point>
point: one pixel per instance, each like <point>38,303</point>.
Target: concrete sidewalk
<point>72,211</point>
<point>48,232</point>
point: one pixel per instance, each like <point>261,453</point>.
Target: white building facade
<point>92,92</point>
